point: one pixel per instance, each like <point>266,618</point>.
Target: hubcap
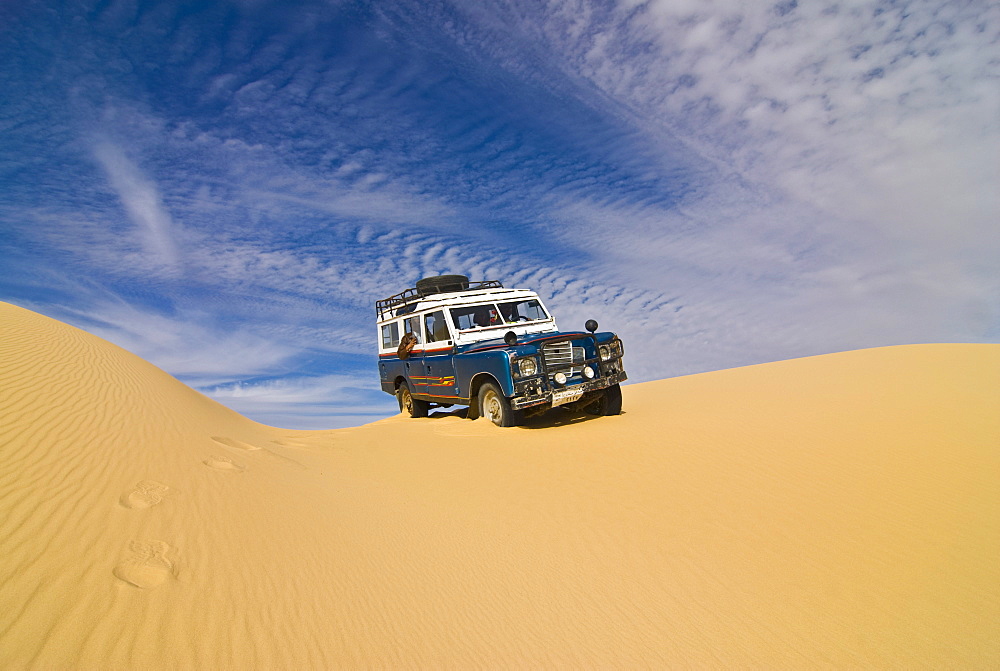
<point>492,407</point>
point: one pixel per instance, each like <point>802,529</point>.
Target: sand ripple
<point>838,511</point>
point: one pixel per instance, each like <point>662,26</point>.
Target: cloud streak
<point>142,203</point>
<point>323,402</point>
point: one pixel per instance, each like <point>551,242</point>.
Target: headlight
<point>616,347</point>
<point>527,367</point>
<point>588,372</point>
<point>560,378</point>
<point>605,352</point>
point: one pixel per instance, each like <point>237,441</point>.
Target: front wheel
<point>608,403</point>
<point>409,405</point>
<point>494,406</point>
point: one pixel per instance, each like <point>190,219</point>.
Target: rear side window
<point>412,325</point>
<point>436,327</point>
<point>390,335</point>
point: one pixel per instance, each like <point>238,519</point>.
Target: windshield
<point>488,315</point>
<point>522,311</point>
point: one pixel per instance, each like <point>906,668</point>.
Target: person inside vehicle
<point>481,318</point>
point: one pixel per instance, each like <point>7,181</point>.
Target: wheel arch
<point>477,381</point>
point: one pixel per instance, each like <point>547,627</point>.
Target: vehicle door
<point>439,349</point>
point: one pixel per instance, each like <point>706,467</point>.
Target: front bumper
<point>534,395</point>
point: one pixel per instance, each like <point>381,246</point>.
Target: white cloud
<point>324,402</point>
<point>887,116</point>
<point>384,205</point>
<point>141,200</point>
<point>192,345</point>
<point>309,391</point>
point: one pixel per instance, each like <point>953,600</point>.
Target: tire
<point>608,403</point>
<point>473,412</point>
<point>409,405</point>
<point>440,284</point>
<point>494,406</point>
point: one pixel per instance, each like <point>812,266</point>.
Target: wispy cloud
<point>191,345</point>
<point>329,401</point>
<point>831,102</point>
<point>141,200</point>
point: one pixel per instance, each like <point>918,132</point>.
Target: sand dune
<point>839,511</point>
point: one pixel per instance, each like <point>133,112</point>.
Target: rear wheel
<point>608,403</point>
<point>409,405</point>
<point>494,406</point>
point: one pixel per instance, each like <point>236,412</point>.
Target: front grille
<point>562,356</point>
<point>558,354</point>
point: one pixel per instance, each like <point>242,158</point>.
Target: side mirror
<point>591,325</point>
<point>510,338</point>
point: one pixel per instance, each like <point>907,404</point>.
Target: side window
<point>437,327</point>
<point>462,318</point>
<point>390,335</point>
<point>412,325</point>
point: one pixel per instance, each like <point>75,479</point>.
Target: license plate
<point>565,396</point>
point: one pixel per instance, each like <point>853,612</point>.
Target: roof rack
<point>385,306</point>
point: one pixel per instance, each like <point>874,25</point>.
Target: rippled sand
<point>841,510</point>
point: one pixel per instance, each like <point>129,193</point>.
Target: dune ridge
<point>840,510</point>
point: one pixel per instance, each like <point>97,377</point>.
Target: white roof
<point>453,299</point>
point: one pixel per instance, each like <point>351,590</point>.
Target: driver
<point>510,313</point>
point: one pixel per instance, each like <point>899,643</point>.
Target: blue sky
<point>226,188</point>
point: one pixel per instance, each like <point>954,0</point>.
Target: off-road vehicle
<point>448,341</point>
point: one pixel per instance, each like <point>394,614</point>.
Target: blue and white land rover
<point>449,341</point>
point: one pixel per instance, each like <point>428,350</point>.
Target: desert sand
<point>834,511</point>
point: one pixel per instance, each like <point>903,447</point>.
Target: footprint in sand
<point>232,442</point>
<point>260,452</point>
<point>224,464</point>
<point>290,443</point>
<point>147,566</point>
<point>145,494</point>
